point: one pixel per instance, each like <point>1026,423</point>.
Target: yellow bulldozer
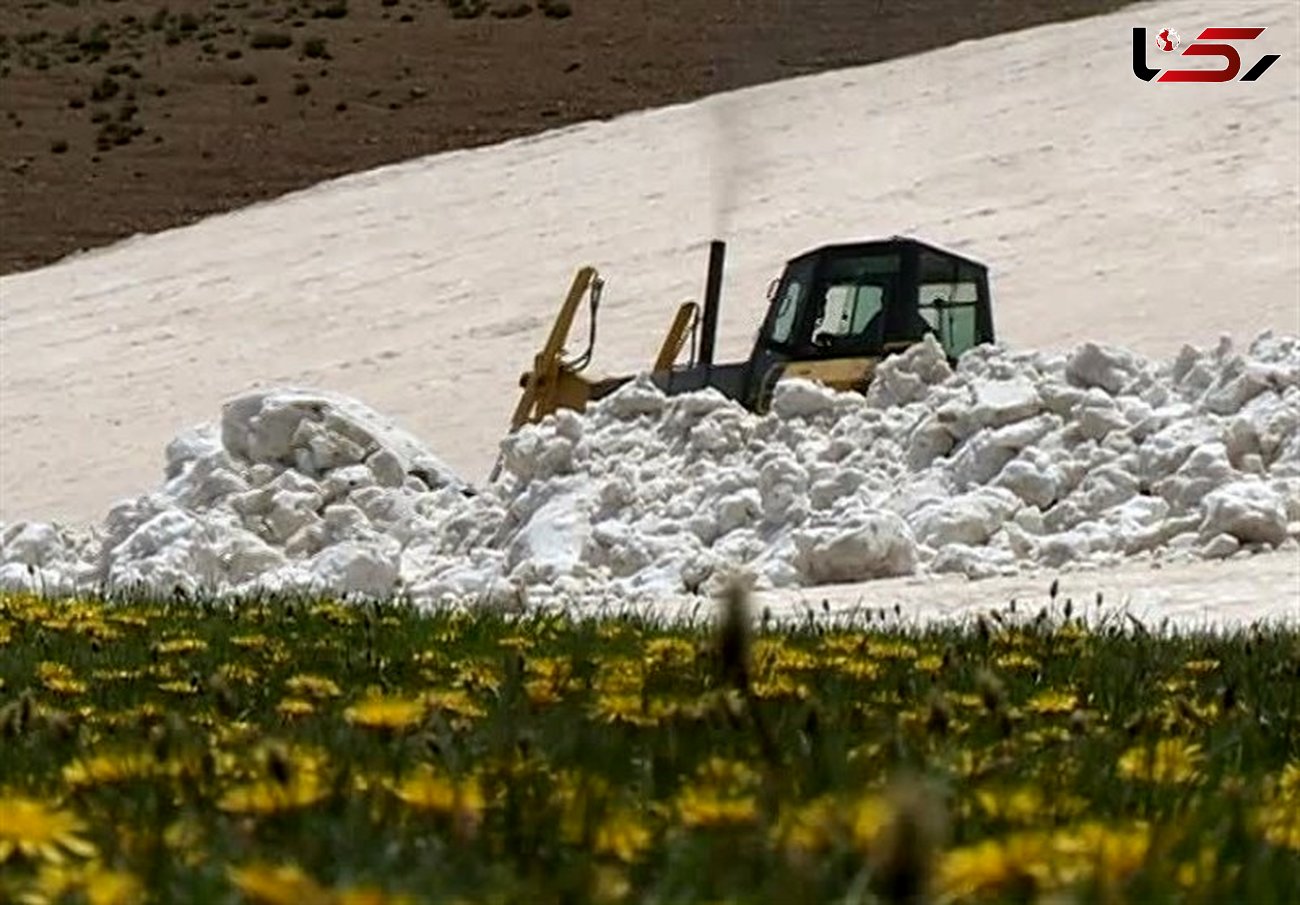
<point>834,313</point>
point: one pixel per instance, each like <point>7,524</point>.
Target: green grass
<point>311,750</point>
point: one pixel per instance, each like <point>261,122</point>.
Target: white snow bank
<point>1017,460</point>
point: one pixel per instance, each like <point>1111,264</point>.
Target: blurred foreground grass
<point>309,751</point>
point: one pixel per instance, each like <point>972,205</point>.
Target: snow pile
<point>1016,460</point>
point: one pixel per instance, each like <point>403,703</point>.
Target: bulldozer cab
<point>872,298</point>
<point>835,313</point>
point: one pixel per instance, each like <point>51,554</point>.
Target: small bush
<point>106,89</point>
<point>59,146</point>
<point>301,88</point>
<point>314,48</point>
<point>467,9</point>
<point>513,11</point>
<point>95,42</point>
<point>114,134</point>
<point>556,9</point>
<point>336,9</point>
<point>270,40</point>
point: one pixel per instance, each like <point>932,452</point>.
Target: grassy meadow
<point>311,751</point>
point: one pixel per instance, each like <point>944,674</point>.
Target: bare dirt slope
<point>126,116</point>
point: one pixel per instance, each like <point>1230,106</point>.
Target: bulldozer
<point>833,314</point>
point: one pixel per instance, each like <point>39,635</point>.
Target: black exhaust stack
<point>712,298</point>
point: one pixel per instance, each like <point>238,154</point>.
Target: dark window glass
<point>947,298</point>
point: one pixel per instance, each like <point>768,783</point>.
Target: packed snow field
<point>1017,460</point>
<point>1107,208</point>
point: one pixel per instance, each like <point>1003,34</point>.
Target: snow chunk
<point>1249,510</point>
<point>878,547</point>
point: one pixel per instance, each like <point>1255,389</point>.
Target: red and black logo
<point>1204,46</point>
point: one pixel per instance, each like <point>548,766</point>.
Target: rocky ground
<point>123,116</point>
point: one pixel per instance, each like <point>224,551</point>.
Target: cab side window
<point>947,299</point>
<point>791,297</point>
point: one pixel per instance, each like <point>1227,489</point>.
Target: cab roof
<point>892,243</point>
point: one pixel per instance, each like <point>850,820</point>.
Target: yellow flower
<point>1200,667</point>
<point>97,885</point>
<point>622,708</point>
<point>294,780</point>
<point>1288,785</point>
<point>1168,761</point>
<point>669,652</point>
<point>810,828</point>
<point>59,678</point>
<point>609,884</point>
<point>702,806</point>
<point>428,791</point>
<point>180,688</point>
<point>181,646</point>
<point>306,685</point>
<point>389,713</point>
<point>622,835</point>
<point>284,884</point>
<point>1115,853</point>
<point>869,817</point>
<point>1022,805</point>
<point>891,650</point>
<point>109,769</point>
<point>238,673</point>
<point>930,663</point>
<point>33,829</point>
<point>455,702</point>
<point>1018,861</point>
<point>727,773</point>
<point>292,707</point>
<point>1016,660</point>
<point>1279,824</point>
<point>363,896</point>
<point>1052,701</point>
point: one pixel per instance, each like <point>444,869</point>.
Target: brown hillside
<point>120,116</point>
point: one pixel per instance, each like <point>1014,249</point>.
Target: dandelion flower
<point>1115,853</point>
<point>1279,823</point>
<point>282,884</point>
<point>1053,702</point>
<point>59,678</point>
<point>110,768</point>
<point>294,707</point>
<point>701,806</point>
<point>97,884</point>
<point>295,781</point>
<point>428,791</point>
<point>1169,761</point>
<point>1016,862</point>
<point>36,830</point>
<point>311,686</point>
<point>387,713</point>
<point>622,835</point>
